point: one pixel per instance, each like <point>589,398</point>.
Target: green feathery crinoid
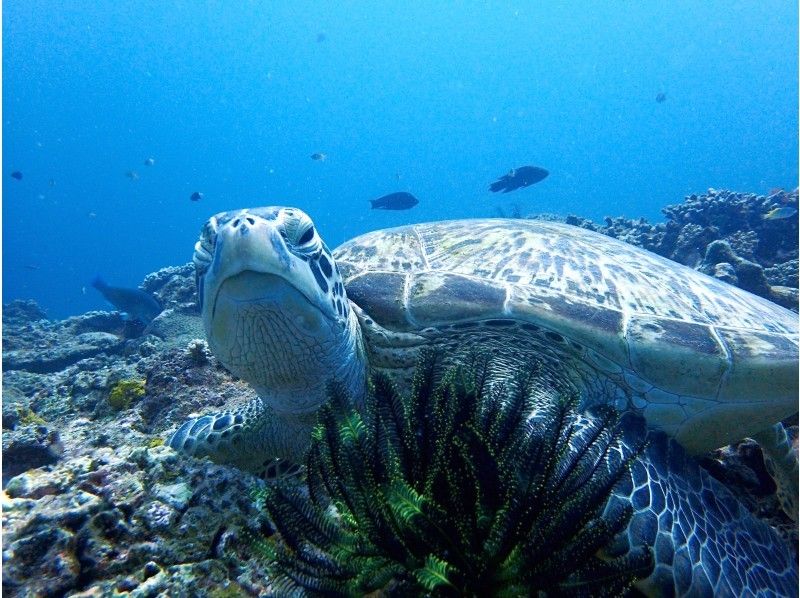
<point>455,490</point>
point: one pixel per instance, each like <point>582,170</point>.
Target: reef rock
<point>124,519</point>
<point>22,311</point>
<point>94,504</point>
<point>173,286</point>
<point>29,447</point>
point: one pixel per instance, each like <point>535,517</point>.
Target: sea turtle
<point>703,361</point>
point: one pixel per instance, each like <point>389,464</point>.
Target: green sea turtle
<point>702,361</point>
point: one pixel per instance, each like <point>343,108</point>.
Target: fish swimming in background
<point>394,201</point>
<point>780,213</point>
<point>319,157</point>
<point>149,161</point>
<point>321,37</point>
<point>518,178</point>
<point>16,175</point>
<point>132,175</point>
<point>138,304</point>
<point>196,196</point>
<point>661,97</point>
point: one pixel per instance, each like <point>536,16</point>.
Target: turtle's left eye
<point>307,236</point>
<point>298,230</point>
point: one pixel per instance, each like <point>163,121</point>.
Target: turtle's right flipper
<point>251,438</point>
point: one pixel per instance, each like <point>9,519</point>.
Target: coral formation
<point>125,392</point>
<point>33,445</point>
<point>21,312</point>
<point>199,353</point>
<point>173,286</point>
<point>90,503</point>
<point>115,517</point>
<point>454,490</point>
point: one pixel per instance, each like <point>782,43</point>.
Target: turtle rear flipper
<point>252,438</point>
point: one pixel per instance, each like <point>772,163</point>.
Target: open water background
<point>435,98</point>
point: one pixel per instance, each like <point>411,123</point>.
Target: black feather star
<point>454,490</point>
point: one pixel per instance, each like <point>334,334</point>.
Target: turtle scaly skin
<point>276,314</point>
<point>704,541</point>
<point>700,361</point>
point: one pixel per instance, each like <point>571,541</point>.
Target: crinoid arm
<point>461,487</point>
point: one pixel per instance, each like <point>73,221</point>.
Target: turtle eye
<point>208,235</point>
<point>298,230</point>
<point>307,236</point>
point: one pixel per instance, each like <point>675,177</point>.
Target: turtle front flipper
<point>251,438</point>
<point>780,458</point>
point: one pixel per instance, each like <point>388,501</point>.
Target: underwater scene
<point>399,299</point>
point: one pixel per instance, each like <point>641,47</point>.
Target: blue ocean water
<point>439,99</point>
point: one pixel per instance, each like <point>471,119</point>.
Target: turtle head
<point>274,307</point>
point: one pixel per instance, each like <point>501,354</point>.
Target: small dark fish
<point>51,182</point>
<point>319,156</point>
<point>394,201</point>
<point>33,266</point>
<point>523,176</point>
<point>134,302</point>
<point>16,175</point>
<point>780,213</point>
<point>149,161</point>
<point>132,175</point>
<point>661,97</point>
<point>321,37</point>
<point>196,196</point>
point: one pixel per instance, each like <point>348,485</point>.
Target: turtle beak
<point>248,242</point>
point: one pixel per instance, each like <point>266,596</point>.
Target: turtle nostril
<point>246,222</point>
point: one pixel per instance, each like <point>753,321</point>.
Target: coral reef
<point>129,519</point>
<point>33,445</point>
<point>173,286</point>
<point>178,325</point>
<point>199,352</point>
<point>93,504</point>
<point>21,311</point>
<point>480,500</point>
<point>125,392</point>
